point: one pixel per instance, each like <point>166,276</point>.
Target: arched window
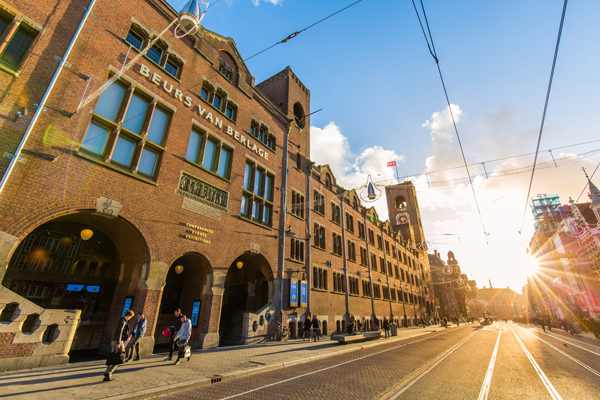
<point>299,115</point>
<point>400,202</point>
<point>327,181</point>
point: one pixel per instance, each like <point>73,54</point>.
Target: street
<point>500,361</point>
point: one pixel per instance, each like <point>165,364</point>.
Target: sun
<point>530,266</point>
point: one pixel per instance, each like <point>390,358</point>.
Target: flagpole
<point>397,176</point>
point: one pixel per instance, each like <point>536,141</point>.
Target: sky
<point>370,71</point>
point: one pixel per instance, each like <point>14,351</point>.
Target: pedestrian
<point>316,328</point>
<point>176,327</point>
<point>306,328</point>
<point>182,338</point>
<point>386,327</point>
<point>117,344</point>
<point>138,332</point>
<point>352,325</point>
<point>359,325</point>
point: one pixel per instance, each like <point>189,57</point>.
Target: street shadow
<point>40,391</point>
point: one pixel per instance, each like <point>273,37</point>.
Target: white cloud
<point>448,209</point>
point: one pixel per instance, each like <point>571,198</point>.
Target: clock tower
<point>404,212</point>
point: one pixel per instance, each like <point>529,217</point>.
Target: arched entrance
<point>246,290</point>
<point>184,289</point>
<point>75,262</point>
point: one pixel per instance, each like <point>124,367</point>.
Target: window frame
<point>297,251</point>
<point>200,153</point>
<point>253,199</point>
<point>23,25</point>
<point>116,132</point>
<point>297,204</point>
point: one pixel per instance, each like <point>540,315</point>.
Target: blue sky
<point>369,68</point>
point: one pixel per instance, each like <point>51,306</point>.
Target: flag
<point>391,163</point>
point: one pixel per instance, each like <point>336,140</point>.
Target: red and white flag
<point>391,163</point>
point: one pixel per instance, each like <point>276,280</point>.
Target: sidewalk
<point>152,376</point>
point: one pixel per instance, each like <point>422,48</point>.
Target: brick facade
<point>231,237</point>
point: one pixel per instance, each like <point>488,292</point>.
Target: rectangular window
<point>335,213</point>
<point>218,101</point>
<point>389,268</point>
<point>173,67</point>
<point>319,236</point>
<point>135,38</point>
<point>382,265</point>
<point>337,244</point>
<point>109,127</point>
<point>393,294</point>
<point>297,204</point>
<point>396,274</point>
<point>297,249</point>
<point>371,237</point>
<point>363,256</point>
<point>387,247</point>
<point>353,285</point>
<point>351,251</point>
<point>319,202</point>
<point>361,230</point>
<point>210,153</point>
<point>257,204</point>
<point>349,223</point>
<point>376,291</point>
<point>231,111</point>
<point>373,262</point>
<point>319,278</point>
<point>385,293</point>
<point>379,242</point>
<point>18,43</point>
<point>338,282</point>
<point>206,92</point>
<point>366,288</point>
<point>155,53</point>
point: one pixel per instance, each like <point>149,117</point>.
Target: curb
<point>204,381</point>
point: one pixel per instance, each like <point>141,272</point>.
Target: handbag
<point>115,358</point>
<point>184,351</point>
<point>167,332</point>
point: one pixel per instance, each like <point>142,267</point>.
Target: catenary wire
<point>437,63</point>
<point>562,20</point>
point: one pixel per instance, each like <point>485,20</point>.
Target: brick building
<point>151,174</point>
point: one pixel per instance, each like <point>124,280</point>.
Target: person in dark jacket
<point>117,343</point>
<point>134,344</point>
<point>306,328</point>
<point>316,328</point>
<point>176,328</point>
<point>386,327</point>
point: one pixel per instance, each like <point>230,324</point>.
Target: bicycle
<point>282,334</point>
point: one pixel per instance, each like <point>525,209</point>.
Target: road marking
<point>558,337</point>
<point>422,374</point>
<point>487,381</point>
<point>537,368</point>
<point>592,370</point>
<point>327,368</point>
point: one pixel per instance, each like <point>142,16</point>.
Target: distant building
<point>501,302</point>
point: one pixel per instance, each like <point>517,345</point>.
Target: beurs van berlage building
<point>164,190</point>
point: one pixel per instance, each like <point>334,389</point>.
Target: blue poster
<point>195,313</point>
<point>303,288</point>
<point>293,292</point>
<point>127,305</point>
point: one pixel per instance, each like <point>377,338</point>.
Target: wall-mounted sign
<point>303,291</point>
<point>108,206</point>
<point>127,305</point>
<point>293,292</point>
<point>197,233</point>
<point>204,112</point>
<point>195,313</point>
<point>74,288</point>
<point>195,189</point>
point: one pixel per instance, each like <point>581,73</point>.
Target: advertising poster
<point>303,289</point>
<point>195,313</point>
<point>293,292</point>
<point>127,305</point>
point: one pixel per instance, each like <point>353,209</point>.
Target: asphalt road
<point>501,361</point>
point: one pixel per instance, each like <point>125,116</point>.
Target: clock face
<point>402,218</point>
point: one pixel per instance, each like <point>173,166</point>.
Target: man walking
<point>176,328</point>
<point>182,337</point>
<point>117,343</point>
<point>134,344</point>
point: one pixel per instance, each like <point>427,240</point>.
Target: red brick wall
<point>10,350</point>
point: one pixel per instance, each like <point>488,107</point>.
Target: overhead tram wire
<point>291,36</point>
<point>562,20</point>
<point>437,63</point>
